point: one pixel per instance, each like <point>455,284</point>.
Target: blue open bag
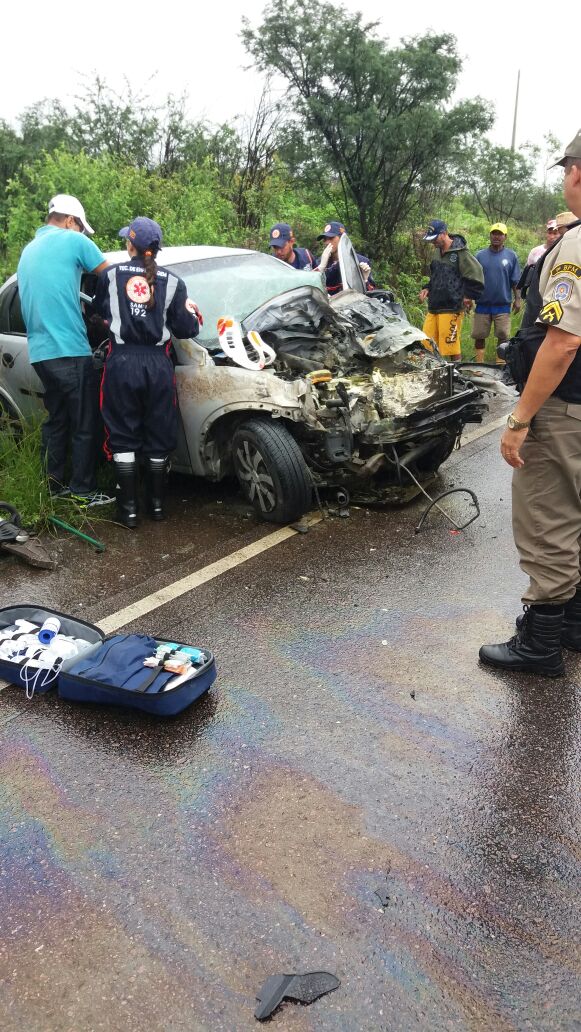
<point>110,671</point>
<point>114,674</point>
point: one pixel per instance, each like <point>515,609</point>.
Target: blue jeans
<point>71,399</point>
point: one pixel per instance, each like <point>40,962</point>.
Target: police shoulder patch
<point>552,313</point>
<point>562,290</point>
<point>567,268</point>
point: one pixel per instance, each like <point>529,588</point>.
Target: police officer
<point>329,263</point>
<point>142,303</point>
<point>282,242</point>
<point>542,442</point>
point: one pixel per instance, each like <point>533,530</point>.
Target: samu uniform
<point>138,400</point>
<point>454,275</point>
<point>546,491</point>
<point>303,259</point>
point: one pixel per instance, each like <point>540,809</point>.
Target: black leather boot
<point>156,469</point>
<point>126,493</point>
<point>571,629</point>
<point>536,649</point>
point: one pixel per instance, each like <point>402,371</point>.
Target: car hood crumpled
<point>367,343</point>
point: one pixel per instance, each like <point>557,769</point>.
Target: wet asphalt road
<point>154,873</point>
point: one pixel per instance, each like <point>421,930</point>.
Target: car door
<point>20,388</point>
<point>351,275</point>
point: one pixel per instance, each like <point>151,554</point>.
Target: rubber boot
<point>126,493</point>
<point>156,487</point>
<point>535,649</point>
<point>571,630</point>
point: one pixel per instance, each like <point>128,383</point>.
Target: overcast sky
<point>196,48</point>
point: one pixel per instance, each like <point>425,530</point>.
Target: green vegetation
<point>23,483</point>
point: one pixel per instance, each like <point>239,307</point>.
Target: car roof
<point>187,253</point>
<point>171,256</point>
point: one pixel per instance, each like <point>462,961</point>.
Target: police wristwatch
<point>517,424</point>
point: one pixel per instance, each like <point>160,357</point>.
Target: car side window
<point>15,315</point>
<point>5,298</point>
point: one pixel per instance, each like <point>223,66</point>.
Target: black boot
<point>536,649</point>
<point>156,469</point>
<point>126,493</point>
<point>571,629</point>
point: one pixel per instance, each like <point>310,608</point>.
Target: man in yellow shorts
<point>456,280</point>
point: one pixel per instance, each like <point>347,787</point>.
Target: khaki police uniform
<point>547,489</point>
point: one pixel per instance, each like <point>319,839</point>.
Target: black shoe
<point>126,493</point>
<point>536,649</point>
<point>571,629</point>
<point>155,487</point>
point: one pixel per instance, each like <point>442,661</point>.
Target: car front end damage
<point>380,407</point>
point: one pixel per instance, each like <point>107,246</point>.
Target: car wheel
<point>272,471</point>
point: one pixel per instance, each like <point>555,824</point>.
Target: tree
<point>379,118</point>
<point>499,180</point>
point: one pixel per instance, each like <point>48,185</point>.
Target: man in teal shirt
<point>49,280</point>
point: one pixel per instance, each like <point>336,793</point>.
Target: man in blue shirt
<point>49,280</point>
<point>282,242</point>
<point>501,277</point>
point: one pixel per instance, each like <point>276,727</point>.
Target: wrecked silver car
<point>351,399</point>
<point>354,401</point>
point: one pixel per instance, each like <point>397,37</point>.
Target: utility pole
<point>515,112</point>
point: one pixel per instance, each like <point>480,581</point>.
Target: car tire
<point>271,471</point>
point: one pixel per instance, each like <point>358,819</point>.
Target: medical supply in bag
<point>49,629</point>
<point>27,660</point>
<point>137,671</point>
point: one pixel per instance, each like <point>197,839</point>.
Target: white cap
<point>64,204</point>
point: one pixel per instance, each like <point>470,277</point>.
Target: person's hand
<point>516,304</point>
<point>511,443</point>
<point>365,270</point>
<point>326,255</point>
<point>423,294</point>
<point>468,302</point>
<point>194,310</point>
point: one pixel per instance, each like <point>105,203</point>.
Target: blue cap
<point>332,229</point>
<point>144,234</point>
<point>434,229</point>
<point>280,234</point>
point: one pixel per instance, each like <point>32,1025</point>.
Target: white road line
<point>194,580</point>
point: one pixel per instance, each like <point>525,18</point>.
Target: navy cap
<point>144,234</point>
<point>434,229</point>
<point>280,234</point>
<point>332,229</point>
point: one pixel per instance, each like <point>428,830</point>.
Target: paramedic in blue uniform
<point>329,263</point>
<point>282,243</point>
<point>142,303</point>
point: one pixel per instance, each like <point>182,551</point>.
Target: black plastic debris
<point>304,988</point>
<point>382,895</point>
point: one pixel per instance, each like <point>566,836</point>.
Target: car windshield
<point>236,285</point>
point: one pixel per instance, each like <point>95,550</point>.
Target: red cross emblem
<point>137,290</point>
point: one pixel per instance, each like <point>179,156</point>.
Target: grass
<point>23,483</point>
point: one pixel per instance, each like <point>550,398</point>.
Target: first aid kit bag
<point>140,672</point>
<point>37,644</point>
